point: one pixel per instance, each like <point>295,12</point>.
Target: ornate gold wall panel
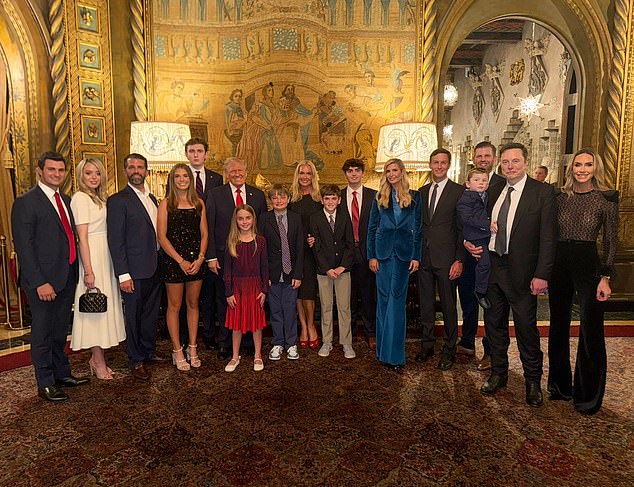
<point>90,99</point>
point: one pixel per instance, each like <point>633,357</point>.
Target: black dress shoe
<point>210,343</point>
<point>446,361</point>
<point>140,372</point>
<point>493,384</point>
<point>555,395</point>
<point>482,300</point>
<point>52,394</point>
<point>157,358</point>
<point>224,353</point>
<point>534,396</point>
<point>424,355</point>
<point>71,381</point>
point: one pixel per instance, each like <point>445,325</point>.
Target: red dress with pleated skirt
<point>246,276</point>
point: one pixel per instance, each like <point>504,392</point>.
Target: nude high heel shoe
<point>192,356</point>
<point>180,364</point>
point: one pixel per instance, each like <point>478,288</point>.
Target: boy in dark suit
<point>44,237</point>
<point>333,249</point>
<point>476,227</point>
<point>284,236</point>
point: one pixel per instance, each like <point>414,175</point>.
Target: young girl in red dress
<point>246,277</point>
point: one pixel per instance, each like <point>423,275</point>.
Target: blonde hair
<point>233,239</point>
<point>598,179</point>
<point>99,195</point>
<point>296,192</point>
<point>191,195</point>
<point>384,194</point>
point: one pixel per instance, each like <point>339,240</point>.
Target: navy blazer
<point>386,237</point>
<point>219,207</point>
<point>533,237</point>
<point>131,235</point>
<point>332,249</point>
<point>364,216</point>
<point>295,232</point>
<point>472,210</point>
<point>40,241</point>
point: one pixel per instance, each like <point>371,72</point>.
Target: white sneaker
<point>348,351</point>
<point>291,353</point>
<point>325,349</point>
<point>276,352</point>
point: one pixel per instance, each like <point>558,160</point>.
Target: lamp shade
<point>450,95</point>
<point>411,142</point>
<point>160,141</point>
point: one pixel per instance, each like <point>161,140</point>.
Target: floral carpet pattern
<point>314,421</point>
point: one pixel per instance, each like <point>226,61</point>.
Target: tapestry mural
<point>274,82</point>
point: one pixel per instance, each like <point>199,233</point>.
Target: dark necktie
<point>199,185</point>
<point>286,252</point>
<point>332,223</point>
<point>503,215</point>
<point>432,204</point>
<point>239,200</point>
<point>72,251</point>
<point>355,216</point>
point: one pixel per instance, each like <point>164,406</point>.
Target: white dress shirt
<point>441,187</point>
<point>349,191</point>
<point>203,175</point>
<point>243,192</point>
<point>518,188</point>
<point>50,194</point>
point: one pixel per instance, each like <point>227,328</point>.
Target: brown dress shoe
<point>485,363</point>
<point>372,343</point>
<point>140,372</point>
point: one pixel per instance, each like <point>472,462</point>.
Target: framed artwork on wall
<point>87,18</point>
<point>92,130</point>
<point>89,56</point>
<point>100,156</point>
<point>90,93</point>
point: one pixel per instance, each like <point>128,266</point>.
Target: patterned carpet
<point>316,421</point>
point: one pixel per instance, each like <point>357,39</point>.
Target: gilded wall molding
<point>625,172</point>
<point>427,72</point>
<point>616,90</point>
<point>138,60</point>
<point>58,74</point>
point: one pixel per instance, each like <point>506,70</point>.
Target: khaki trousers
<point>341,287</point>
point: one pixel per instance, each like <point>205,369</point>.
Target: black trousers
<point>363,294</point>
<point>576,274</point>
<point>428,277</point>
<point>505,296</point>
<point>49,329</point>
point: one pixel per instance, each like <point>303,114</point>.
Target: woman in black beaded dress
<point>306,200</point>
<point>585,207</point>
<point>182,234</point>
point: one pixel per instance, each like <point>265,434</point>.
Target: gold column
<point>138,60</point>
<point>427,72</point>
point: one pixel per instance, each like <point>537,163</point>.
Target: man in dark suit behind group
<point>522,253</point>
<point>220,204</point>
<point>131,219</point>
<point>356,204</point>
<point>44,236</point>
<point>442,258</point>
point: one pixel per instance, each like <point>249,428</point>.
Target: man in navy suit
<point>356,204</point>
<point>442,257</point>
<point>133,246</point>
<point>44,237</point>
<point>196,150</point>
<point>485,158</point>
<point>220,204</point>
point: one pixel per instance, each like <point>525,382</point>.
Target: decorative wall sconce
<point>450,95</point>
<point>411,142</point>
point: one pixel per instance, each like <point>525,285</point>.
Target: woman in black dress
<point>585,207</point>
<point>306,200</point>
<point>182,234</point>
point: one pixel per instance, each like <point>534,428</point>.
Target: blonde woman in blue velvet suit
<point>394,251</point>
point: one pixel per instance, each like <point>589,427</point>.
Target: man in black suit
<point>356,203</point>
<point>196,150</point>
<point>44,237</point>
<point>442,258</point>
<point>485,158</point>
<point>522,252</point>
<point>132,214</point>
<point>221,203</point>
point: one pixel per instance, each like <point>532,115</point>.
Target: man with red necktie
<point>356,203</point>
<point>44,237</point>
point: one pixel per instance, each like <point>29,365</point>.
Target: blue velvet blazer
<point>386,237</point>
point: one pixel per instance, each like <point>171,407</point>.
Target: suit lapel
<point>522,205</point>
<point>49,208</point>
<point>366,205</point>
<point>140,206</point>
<point>424,195</point>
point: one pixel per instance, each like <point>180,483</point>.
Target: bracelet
<point>182,260</point>
<point>201,256</point>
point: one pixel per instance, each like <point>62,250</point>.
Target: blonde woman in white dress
<point>95,331</point>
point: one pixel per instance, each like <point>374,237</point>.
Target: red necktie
<point>199,185</point>
<point>355,216</point>
<point>239,200</point>
<point>72,252</point>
